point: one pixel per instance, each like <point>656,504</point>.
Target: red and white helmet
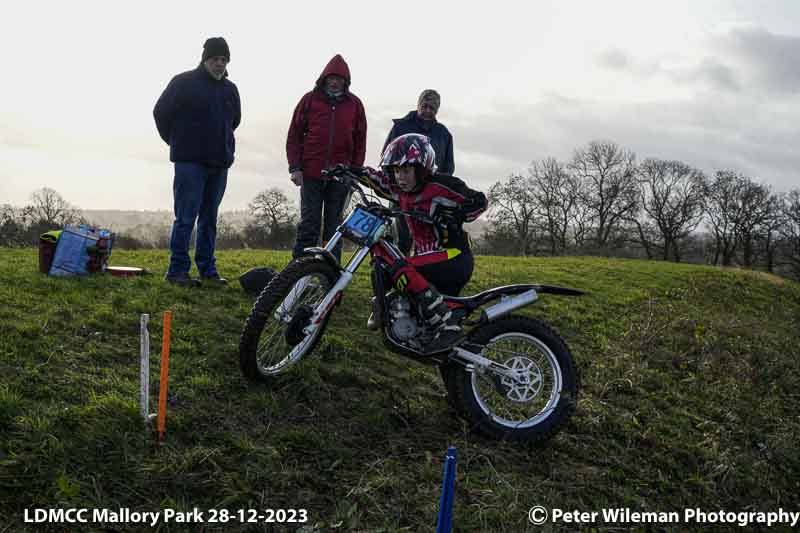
<point>410,149</point>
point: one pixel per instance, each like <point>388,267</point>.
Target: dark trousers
<point>449,276</point>
<point>198,191</point>
<point>321,204</point>
<point>416,274</point>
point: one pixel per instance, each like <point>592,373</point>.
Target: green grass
<point>689,399</point>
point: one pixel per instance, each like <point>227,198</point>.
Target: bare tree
<point>580,220</point>
<point>609,173</point>
<point>790,230</point>
<point>513,212</point>
<point>556,193</point>
<point>769,236</point>
<point>48,208</point>
<point>722,205</point>
<point>12,226</point>
<point>274,222</point>
<point>741,213</point>
<point>647,233</point>
<point>272,208</point>
<point>671,195</point>
<point>756,209</point>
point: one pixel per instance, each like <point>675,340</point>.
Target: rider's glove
<point>341,170</point>
<point>335,171</point>
<point>448,217</point>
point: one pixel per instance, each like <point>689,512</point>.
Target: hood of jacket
<point>337,65</point>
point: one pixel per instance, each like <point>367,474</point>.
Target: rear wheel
<point>273,338</point>
<point>533,405</point>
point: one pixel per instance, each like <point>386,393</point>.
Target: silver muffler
<point>508,304</point>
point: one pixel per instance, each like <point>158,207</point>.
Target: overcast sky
<point>713,83</point>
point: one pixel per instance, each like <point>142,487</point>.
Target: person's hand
<point>447,217</point>
<point>297,177</point>
<point>337,170</point>
<point>341,169</point>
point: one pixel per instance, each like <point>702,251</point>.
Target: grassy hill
<point>689,399</point>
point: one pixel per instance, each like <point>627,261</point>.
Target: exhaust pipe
<point>506,305</point>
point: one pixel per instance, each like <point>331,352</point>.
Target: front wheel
<point>535,404</point>
<point>273,338</point>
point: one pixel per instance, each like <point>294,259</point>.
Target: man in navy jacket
<point>196,116</point>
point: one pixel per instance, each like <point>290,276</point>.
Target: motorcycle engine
<point>404,326</point>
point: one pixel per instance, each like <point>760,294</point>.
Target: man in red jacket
<point>328,127</point>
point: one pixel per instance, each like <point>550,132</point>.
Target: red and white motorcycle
<point>512,377</point>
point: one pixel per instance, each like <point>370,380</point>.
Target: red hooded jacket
<point>326,132</point>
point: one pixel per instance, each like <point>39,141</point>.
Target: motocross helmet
<point>410,149</point>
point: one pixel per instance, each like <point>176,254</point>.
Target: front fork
<point>335,293</point>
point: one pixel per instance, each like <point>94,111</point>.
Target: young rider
<point>442,260</point>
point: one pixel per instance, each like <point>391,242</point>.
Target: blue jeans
<point>198,191</point>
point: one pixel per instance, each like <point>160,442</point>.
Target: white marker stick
<point>144,368</point>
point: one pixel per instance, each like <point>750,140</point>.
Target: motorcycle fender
<point>324,254</point>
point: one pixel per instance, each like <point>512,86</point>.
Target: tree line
<point>599,202</point>
<point>602,201</point>
<point>271,223</point>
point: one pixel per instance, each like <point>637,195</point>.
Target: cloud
<point>771,58</point>
<point>714,73</point>
<point>723,100</point>
<point>710,131</point>
<point>734,60</point>
<point>708,71</point>
<point>615,58</point>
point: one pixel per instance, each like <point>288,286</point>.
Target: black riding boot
<point>438,316</point>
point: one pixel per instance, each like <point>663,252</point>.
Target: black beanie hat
<point>216,46</point>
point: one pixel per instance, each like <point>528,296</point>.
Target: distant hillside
<point>126,220</point>
<point>122,220</point>
<point>151,226</point>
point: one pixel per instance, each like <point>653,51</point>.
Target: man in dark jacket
<point>328,127</point>
<point>196,116</point>
<point>423,121</point>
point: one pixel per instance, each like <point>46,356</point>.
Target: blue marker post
<point>445,518</point>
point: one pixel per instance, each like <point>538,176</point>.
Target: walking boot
<point>214,280</point>
<point>182,279</point>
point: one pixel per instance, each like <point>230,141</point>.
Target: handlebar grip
<point>342,170</point>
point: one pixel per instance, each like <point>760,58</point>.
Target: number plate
<point>362,224</point>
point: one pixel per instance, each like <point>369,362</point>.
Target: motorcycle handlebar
<point>340,171</point>
<point>413,214</point>
<point>347,175</point>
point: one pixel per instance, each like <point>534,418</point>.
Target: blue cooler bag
<point>72,255</point>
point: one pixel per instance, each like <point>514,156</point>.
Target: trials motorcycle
<point>511,377</point>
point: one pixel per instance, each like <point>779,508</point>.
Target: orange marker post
<point>162,391</point>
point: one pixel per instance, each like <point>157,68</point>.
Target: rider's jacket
<point>437,190</point>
